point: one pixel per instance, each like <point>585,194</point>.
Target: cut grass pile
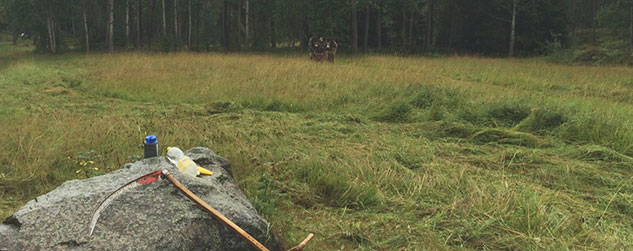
<point>370,153</point>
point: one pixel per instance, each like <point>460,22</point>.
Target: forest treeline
<point>490,27</point>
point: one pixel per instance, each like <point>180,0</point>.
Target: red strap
<point>149,178</point>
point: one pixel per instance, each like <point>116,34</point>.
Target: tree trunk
<point>127,23</point>
<point>111,26</point>
<point>594,22</point>
<point>176,30</point>
<point>86,26</point>
<point>452,28</point>
<point>513,28</point>
<point>379,25</point>
<point>198,24</point>
<point>53,37</point>
<point>190,27</point>
<point>246,22</point>
<point>54,33</point>
<point>164,19</point>
<point>631,27</point>
<point>411,35</point>
<point>354,30</point>
<point>429,24</point>
<point>366,31</point>
<point>240,28</point>
<point>273,33</point>
<point>107,26</point>
<point>151,26</point>
<point>403,27</point>
<point>225,28</point>
<point>138,23</point>
<point>52,46</point>
<point>223,21</point>
<point>574,17</point>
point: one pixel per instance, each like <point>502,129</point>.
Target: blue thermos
<point>151,146</point>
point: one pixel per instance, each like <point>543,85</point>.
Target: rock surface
<point>155,216</point>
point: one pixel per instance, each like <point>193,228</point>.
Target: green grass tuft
<point>508,137</point>
<point>428,96</point>
<point>542,121</point>
<point>398,112</point>
<point>508,113</point>
<point>224,107</point>
<point>274,105</point>
<point>600,153</point>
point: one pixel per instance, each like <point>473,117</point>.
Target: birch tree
<point>52,36</point>
<point>513,28</point>
<point>85,18</point>
<point>110,27</point>
<point>512,7</point>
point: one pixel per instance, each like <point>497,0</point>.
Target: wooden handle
<point>214,212</point>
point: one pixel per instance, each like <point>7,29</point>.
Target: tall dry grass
<point>372,153</point>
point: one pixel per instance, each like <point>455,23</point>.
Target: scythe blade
<point>145,179</point>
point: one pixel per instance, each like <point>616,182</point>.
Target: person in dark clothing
<point>321,49</point>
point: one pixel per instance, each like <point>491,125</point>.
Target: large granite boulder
<point>155,216</point>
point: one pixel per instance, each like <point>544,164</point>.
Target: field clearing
<point>371,153</point>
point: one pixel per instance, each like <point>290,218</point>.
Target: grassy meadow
<point>370,153</point>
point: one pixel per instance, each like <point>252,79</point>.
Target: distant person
<point>314,45</point>
<point>317,49</point>
<point>330,47</point>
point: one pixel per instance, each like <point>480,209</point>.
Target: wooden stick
<point>214,212</point>
<point>302,244</point>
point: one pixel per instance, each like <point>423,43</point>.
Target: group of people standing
<point>322,49</point>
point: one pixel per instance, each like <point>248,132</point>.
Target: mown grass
<point>370,153</point>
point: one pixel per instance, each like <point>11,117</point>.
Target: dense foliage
<point>406,26</point>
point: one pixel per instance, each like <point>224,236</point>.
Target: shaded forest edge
<point>588,31</point>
